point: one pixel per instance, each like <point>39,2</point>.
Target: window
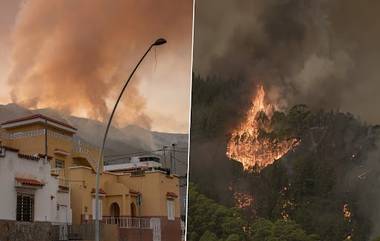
<point>25,207</point>
<point>59,164</point>
<point>170,207</point>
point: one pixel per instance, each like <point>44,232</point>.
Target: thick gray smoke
<point>374,164</point>
<point>322,53</point>
<point>364,179</point>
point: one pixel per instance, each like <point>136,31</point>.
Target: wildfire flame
<point>243,200</point>
<point>246,145</point>
<point>346,212</point>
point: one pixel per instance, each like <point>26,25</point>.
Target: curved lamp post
<point>158,42</point>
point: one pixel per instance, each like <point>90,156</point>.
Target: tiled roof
<point>31,117</point>
<point>171,194</point>
<point>63,189</point>
<point>101,191</point>
<point>26,156</point>
<point>28,181</point>
<point>61,151</point>
<point>29,157</point>
<point>134,192</point>
<point>8,148</point>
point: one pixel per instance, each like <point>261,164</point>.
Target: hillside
<point>328,183</point>
<point>129,139</point>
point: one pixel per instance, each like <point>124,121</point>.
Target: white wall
<point>64,214</point>
<point>45,198</point>
<point>7,197</point>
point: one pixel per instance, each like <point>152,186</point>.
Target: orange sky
<point>74,55</point>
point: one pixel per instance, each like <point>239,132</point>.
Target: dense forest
<point>326,188</point>
<point>210,221</point>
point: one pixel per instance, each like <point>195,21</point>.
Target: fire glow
<point>245,144</point>
<point>243,200</point>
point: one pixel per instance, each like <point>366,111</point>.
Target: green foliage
<point>317,174</point>
<point>208,236</point>
<point>261,230</point>
<point>193,236</point>
<point>217,222</point>
<point>233,237</point>
<point>289,231</point>
<point>206,215</point>
<point>264,230</point>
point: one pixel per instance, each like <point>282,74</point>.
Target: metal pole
<point>97,233</point>
<point>174,160</point>
<point>46,145</point>
<point>171,160</point>
<point>164,161</point>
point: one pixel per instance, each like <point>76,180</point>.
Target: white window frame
<point>61,162</point>
<point>170,206</point>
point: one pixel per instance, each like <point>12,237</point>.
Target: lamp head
<point>159,41</point>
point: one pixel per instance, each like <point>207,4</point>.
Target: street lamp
<point>158,42</point>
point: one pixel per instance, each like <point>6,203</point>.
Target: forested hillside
<point>210,221</point>
<point>328,184</point>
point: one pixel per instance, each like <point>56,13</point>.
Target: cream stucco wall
<point>119,188</point>
<point>80,176</point>
<point>73,155</point>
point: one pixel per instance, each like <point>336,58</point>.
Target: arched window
<point>133,210</point>
<point>115,210</point>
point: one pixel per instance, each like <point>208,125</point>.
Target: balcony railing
<point>128,222</point>
<point>57,171</point>
<point>87,151</point>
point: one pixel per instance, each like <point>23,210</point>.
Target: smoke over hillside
<point>121,141</point>
<point>74,55</point>
<point>321,53</point>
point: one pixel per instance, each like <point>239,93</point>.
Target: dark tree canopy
<point>336,163</point>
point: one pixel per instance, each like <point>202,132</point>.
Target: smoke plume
<point>74,56</point>
<point>321,53</point>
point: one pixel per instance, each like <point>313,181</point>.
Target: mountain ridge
<point>120,141</point>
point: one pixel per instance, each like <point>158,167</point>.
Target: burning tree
<point>337,162</point>
<point>250,143</point>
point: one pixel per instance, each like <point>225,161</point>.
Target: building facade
<point>143,203</point>
<point>135,201</point>
<point>29,191</point>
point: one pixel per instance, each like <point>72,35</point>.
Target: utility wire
<point>132,153</point>
<point>122,156</point>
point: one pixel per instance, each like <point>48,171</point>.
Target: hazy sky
<point>322,53</point>
<point>73,56</point>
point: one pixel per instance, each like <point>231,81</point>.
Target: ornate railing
<point>34,133</point>
<point>128,222</point>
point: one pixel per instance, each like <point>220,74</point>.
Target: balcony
<point>55,172</point>
<point>58,172</point>
<point>85,153</point>
<point>128,222</point>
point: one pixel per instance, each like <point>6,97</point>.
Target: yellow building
<point>40,135</point>
<point>133,200</point>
